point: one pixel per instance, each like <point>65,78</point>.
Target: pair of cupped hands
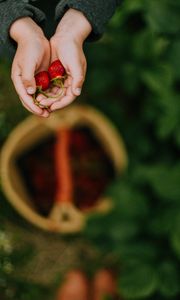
<point>35,53</point>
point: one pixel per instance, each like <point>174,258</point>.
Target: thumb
<point>77,80</point>
<point>28,79</point>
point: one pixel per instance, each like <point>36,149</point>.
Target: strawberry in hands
<point>47,80</point>
<point>58,76</point>
<point>42,84</point>
<point>42,81</point>
<point>57,73</point>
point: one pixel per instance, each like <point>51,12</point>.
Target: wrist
<point>74,26</point>
<point>24,29</point>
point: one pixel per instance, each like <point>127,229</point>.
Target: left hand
<point>67,46</point>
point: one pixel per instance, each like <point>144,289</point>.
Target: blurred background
<point>134,79</point>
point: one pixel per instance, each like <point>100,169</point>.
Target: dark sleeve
<point>98,12</point>
<point>11,10</point>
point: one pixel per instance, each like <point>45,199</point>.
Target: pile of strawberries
<point>45,80</point>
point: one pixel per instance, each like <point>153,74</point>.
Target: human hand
<point>32,56</point>
<point>67,46</point>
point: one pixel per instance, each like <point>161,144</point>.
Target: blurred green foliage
<point>134,78</point>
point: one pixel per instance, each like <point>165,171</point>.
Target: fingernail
<point>40,98</point>
<point>30,90</point>
<point>78,91</point>
<point>43,102</point>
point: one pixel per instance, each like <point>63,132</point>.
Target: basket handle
<point>64,191</point>
<point>63,211</point>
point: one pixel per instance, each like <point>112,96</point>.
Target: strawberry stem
<point>36,102</point>
<point>59,82</point>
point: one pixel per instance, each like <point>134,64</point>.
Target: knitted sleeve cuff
<point>97,13</point>
<point>10,11</point>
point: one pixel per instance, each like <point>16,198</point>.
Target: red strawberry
<point>42,81</point>
<point>56,70</point>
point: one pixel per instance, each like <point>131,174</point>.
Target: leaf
<point>136,250</point>
<point>137,281</point>
<point>174,57</point>
<point>163,221</point>
<point>175,238</point>
<point>129,202</point>
<point>177,137</point>
<point>133,5</point>
<point>168,280</point>
<point>158,79</point>
<point>163,16</point>
<point>163,179</point>
<point>122,231</point>
<point>168,120</point>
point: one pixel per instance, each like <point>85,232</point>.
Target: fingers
<point>27,76</point>
<point>48,102</point>
<point>66,100</point>
<point>43,101</point>
<point>77,84</point>
<point>26,99</point>
<point>55,95</point>
<point>44,114</point>
<point>78,72</point>
<point>72,57</point>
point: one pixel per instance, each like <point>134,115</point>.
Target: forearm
<point>98,13</point>
<point>24,29</point>
<point>74,25</point>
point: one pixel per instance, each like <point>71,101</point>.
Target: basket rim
<point>102,127</point>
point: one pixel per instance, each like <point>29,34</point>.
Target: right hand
<point>32,56</point>
<point>67,46</point>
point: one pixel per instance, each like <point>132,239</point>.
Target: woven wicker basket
<point>34,129</point>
